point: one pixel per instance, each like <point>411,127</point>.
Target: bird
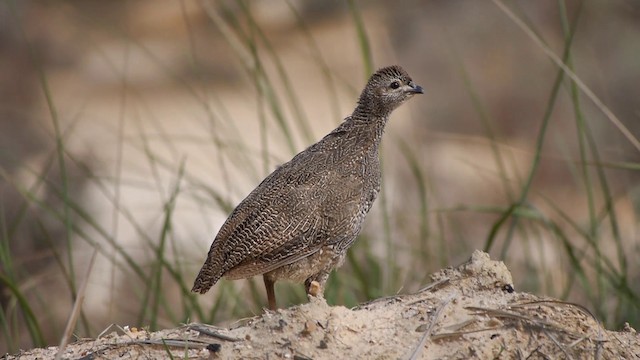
<point>298,223</point>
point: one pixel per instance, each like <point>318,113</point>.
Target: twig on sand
<point>418,350</point>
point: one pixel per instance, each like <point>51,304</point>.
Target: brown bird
<point>299,222</point>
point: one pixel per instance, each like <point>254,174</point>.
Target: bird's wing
<point>321,217</point>
<point>290,215</point>
<point>248,231</point>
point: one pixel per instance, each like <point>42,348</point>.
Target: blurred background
<point>131,129</point>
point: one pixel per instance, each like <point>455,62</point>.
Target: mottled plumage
<point>300,221</point>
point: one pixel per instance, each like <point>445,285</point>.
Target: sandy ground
<point>468,312</point>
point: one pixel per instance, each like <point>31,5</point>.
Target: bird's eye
<point>395,85</point>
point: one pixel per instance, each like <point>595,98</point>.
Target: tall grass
<point>160,270</point>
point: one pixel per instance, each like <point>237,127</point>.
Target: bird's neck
<point>370,122</point>
<point>369,106</point>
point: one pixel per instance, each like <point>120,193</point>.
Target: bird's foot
<point>314,289</point>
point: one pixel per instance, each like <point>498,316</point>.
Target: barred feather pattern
<point>298,223</point>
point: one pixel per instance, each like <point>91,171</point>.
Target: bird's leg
<point>271,293</point>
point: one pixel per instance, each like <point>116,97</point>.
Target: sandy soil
<point>468,312</point>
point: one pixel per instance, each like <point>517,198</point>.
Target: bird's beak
<point>415,89</point>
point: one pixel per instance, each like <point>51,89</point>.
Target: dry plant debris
<point>469,312</point>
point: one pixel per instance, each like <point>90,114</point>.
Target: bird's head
<point>387,89</point>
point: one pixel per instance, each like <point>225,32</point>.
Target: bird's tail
<point>206,278</point>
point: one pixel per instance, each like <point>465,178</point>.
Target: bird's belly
<point>324,260</point>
